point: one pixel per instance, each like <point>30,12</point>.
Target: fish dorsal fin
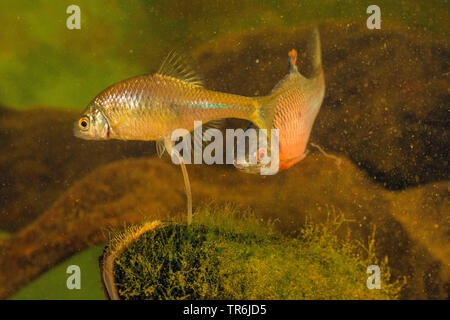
<point>293,61</point>
<point>174,66</point>
<point>292,77</point>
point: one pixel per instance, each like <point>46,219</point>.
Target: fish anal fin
<point>214,124</point>
<point>202,137</point>
<point>175,67</point>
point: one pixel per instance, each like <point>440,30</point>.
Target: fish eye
<point>261,154</point>
<point>83,123</point>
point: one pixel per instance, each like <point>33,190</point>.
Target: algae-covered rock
<point>424,214</point>
<point>225,255</point>
<point>136,190</point>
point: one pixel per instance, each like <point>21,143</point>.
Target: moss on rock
<point>226,255</point>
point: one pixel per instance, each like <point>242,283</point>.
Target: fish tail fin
<point>315,51</point>
<point>263,117</point>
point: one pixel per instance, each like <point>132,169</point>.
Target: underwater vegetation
<point>230,254</point>
<point>121,195</point>
<point>385,115</point>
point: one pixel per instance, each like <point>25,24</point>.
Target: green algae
<point>228,255</point>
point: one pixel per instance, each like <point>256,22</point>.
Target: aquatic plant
<point>230,254</point>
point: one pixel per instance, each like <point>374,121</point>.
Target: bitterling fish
<point>298,100</point>
<point>151,107</point>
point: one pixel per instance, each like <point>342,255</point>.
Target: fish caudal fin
<point>265,111</point>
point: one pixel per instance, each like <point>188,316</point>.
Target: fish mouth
<point>247,167</point>
<point>80,134</point>
<point>89,134</point>
<point>76,132</point>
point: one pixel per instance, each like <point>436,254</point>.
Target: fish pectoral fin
<point>173,148</point>
<point>168,145</point>
<point>174,66</point>
<point>160,148</point>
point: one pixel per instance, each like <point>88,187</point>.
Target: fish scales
<point>152,107</point>
<point>298,101</point>
<point>148,107</point>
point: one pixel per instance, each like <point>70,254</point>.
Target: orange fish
<point>298,100</point>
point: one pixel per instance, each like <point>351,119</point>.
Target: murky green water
<point>385,115</point>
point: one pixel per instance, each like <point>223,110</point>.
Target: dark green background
<point>42,63</point>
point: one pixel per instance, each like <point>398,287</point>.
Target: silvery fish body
<point>151,107</point>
